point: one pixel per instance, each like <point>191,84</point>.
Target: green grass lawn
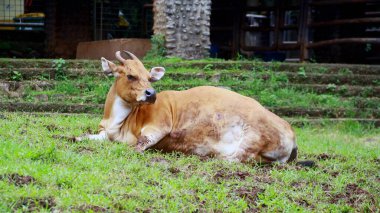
<point>41,169</point>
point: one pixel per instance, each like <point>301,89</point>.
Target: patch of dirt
<point>63,137</point>
<point>299,184</point>
<point>174,170</point>
<point>372,140</point>
<point>354,196</point>
<point>222,174</point>
<point>17,179</point>
<point>153,183</point>
<point>29,204</point>
<point>324,156</point>
<point>52,127</point>
<point>264,179</point>
<point>249,194</point>
<point>331,173</point>
<point>159,160</point>
<point>205,158</point>
<point>326,187</point>
<point>23,131</point>
<point>90,131</point>
<point>300,165</point>
<point>376,160</point>
<point>143,210</point>
<point>85,150</point>
<point>41,98</point>
<point>90,208</point>
<point>118,206</point>
<point>305,203</point>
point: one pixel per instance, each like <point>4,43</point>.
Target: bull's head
<point>133,81</point>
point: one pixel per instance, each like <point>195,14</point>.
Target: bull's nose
<point>150,92</point>
<point>150,95</point>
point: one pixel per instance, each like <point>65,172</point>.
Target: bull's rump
<point>214,121</point>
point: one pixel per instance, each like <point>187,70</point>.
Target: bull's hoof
<point>78,139</point>
<point>140,148</point>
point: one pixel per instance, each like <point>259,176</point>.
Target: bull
<point>205,120</point>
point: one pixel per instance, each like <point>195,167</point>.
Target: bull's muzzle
<point>150,95</point>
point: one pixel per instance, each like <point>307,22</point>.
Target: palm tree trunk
<point>185,25</point>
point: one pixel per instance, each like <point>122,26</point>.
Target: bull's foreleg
<point>149,137</point>
<point>101,136</point>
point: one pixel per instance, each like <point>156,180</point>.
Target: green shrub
<point>158,47</point>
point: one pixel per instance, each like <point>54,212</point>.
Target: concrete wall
<point>107,48</point>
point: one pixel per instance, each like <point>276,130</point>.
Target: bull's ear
<point>156,73</point>
<point>109,68</point>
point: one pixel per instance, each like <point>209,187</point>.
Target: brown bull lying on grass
<point>205,121</point>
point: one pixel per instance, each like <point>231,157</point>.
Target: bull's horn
<point>118,56</point>
<point>131,55</point>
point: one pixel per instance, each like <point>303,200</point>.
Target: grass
<point>41,169</point>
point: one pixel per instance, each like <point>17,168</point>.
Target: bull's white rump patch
<point>231,140</point>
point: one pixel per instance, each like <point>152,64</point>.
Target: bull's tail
<point>293,157</point>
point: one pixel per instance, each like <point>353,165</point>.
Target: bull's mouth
<point>151,99</point>
<point>148,100</point>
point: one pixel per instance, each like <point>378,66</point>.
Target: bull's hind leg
<point>285,151</point>
<point>276,156</point>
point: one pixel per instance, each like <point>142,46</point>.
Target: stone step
<point>337,90</point>
<point>340,90</point>
<point>310,78</point>
<point>300,122</point>
<point>207,65</point>
<point>46,73</point>
<point>287,67</point>
<point>353,102</point>
<point>282,111</point>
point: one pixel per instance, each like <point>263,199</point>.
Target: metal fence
<point>122,19</point>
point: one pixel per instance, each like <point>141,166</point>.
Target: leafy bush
<point>158,47</point>
<point>59,66</point>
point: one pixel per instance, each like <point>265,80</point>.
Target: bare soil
<point>354,196</point>
<point>17,179</point>
<point>29,204</point>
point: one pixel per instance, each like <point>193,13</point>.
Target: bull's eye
<point>131,78</point>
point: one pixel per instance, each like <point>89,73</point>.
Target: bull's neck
<point>120,111</point>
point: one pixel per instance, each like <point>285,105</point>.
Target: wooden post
<point>50,27</point>
<point>304,29</point>
<point>280,9</point>
<point>236,29</point>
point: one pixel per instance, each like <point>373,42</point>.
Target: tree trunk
<point>185,25</point>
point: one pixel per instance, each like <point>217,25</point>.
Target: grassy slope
<point>110,176</point>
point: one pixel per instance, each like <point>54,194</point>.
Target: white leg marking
<point>101,136</point>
